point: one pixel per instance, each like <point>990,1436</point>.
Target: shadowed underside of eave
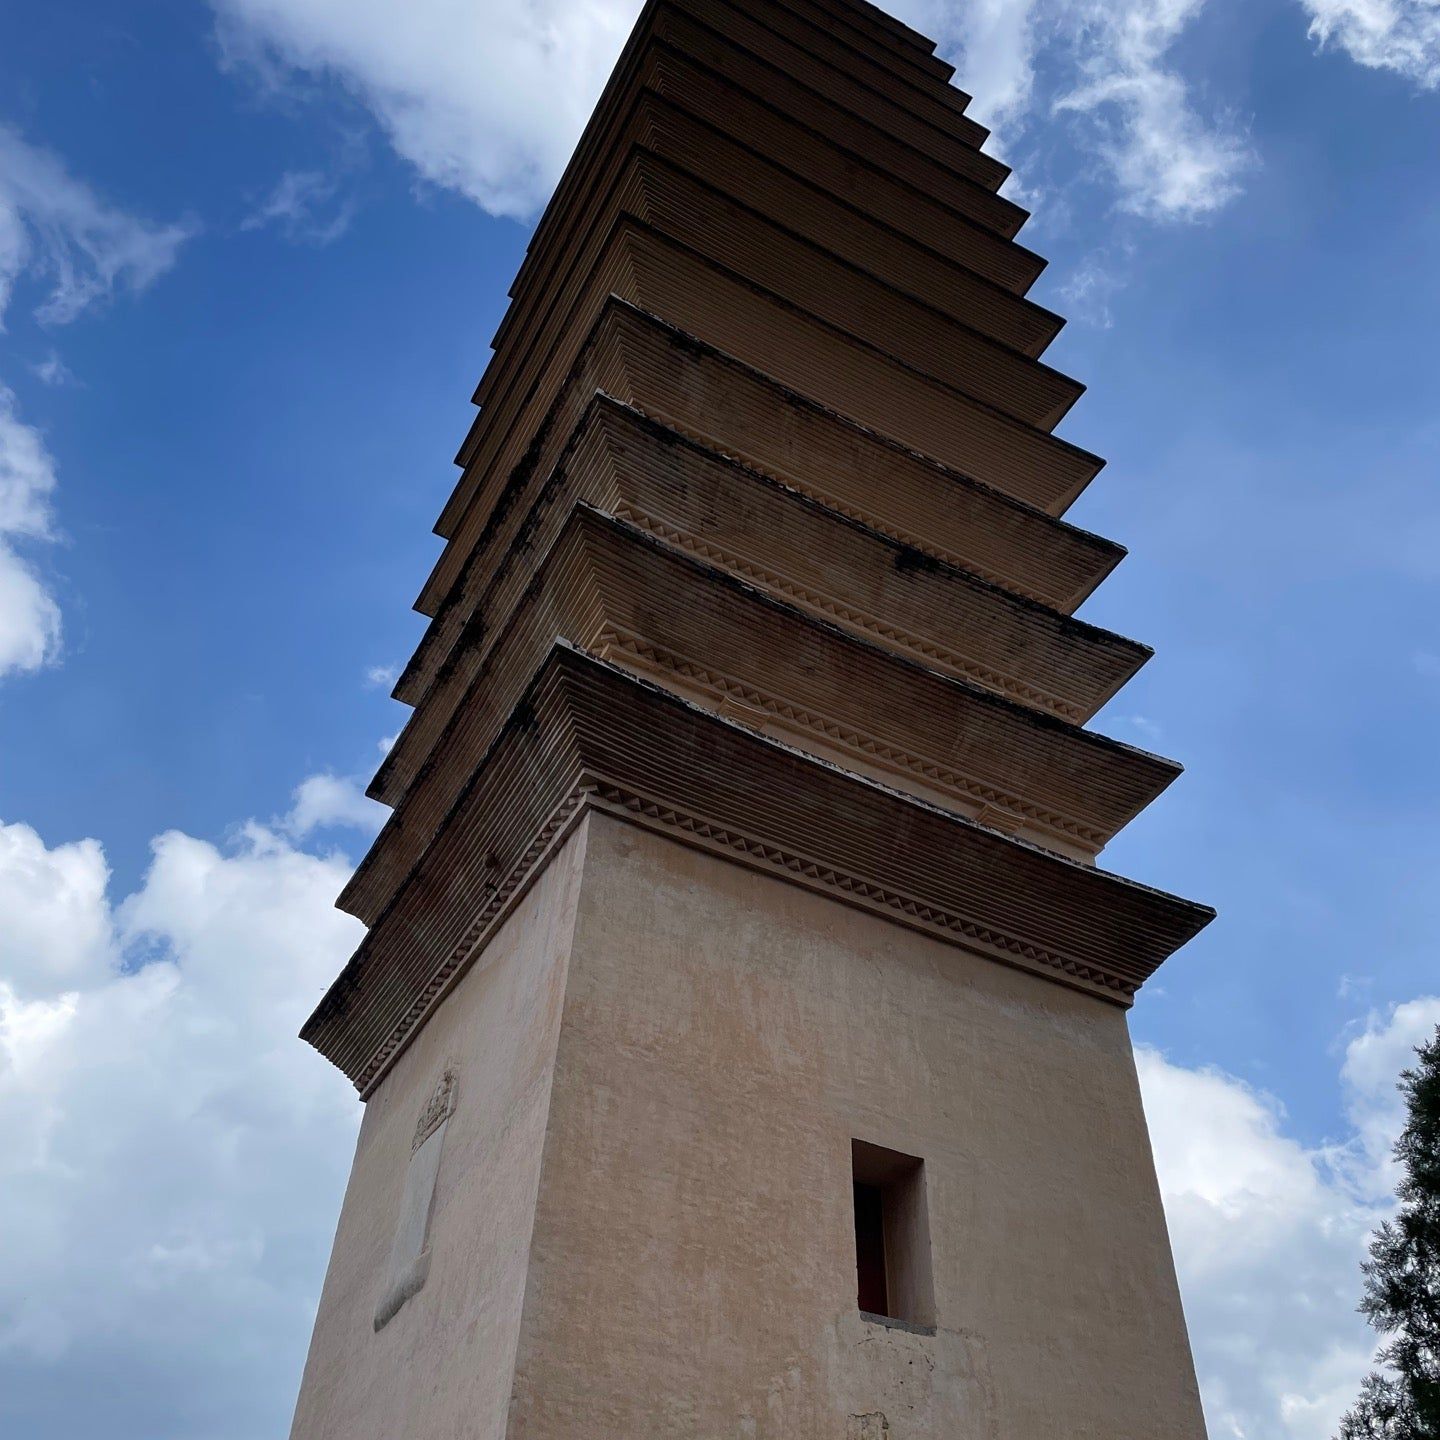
<point>739,410</point>
<point>610,588</point>
<point>587,734</point>
<point>828,364</point>
<point>841,570</point>
<point>776,257</point>
<point>663,28</point>
<point>818,202</point>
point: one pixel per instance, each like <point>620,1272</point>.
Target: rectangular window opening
<point>892,1236</point>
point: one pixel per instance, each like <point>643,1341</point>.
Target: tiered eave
<point>757,540</point>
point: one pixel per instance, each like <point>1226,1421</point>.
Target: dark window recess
<point>892,1235</point>
<point>870,1249</point>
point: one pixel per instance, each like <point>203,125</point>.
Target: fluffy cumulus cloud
<point>485,97</point>
<point>1269,1233</point>
<point>172,1155</point>
<point>1398,35</point>
<point>77,246</point>
<point>322,802</point>
<point>29,616</point>
<point>58,933</point>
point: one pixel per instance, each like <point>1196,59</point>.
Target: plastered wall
<point>725,1035</point>
<point>441,1367</point>
<point>642,1222</point>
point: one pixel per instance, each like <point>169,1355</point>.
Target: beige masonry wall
<point>441,1368</point>
<point>725,1036</point>
<point>659,1071</point>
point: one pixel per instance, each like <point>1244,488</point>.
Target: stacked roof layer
<point>757,540</point>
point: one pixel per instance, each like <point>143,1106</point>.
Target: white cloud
<point>1373,1062</point>
<point>1269,1234</point>
<point>80,249</point>
<point>1151,731</point>
<point>27,475</point>
<point>1351,986</point>
<point>304,207</point>
<point>1109,62</point>
<point>382,677</point>
<point>1106,66</point>
<point>1398,35</point>
<point>172,1155</point>
<point>52,370</point>
<point>323,802</point>
<point>993,45</point>
<point>1088,293</point>
<point>57,228</point>
<point>488,98</point>
<point>1268,1241</point>
<point>57,931</point>
<point>1169,162</point>
<point>29,616</point>
<point>485,97</point>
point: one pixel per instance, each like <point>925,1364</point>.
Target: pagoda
<point>741,1020</point>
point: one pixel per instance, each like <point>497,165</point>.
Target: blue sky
<point>251,255</point>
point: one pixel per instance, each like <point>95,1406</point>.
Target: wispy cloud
<point>29,616</point>
<point>1398,35</point>
<point>1353,986</point>
<point>52,370</point>
<point>487,98</point>
<point>305,206</point>
<point>1169,161</point>
<point>1090,289</point>
<point>997,42</point>
<point>1111,63</point>
<point>1105,66</point>
<point>381,677</point>
<point>1149,730</point>
<point>80,248</point>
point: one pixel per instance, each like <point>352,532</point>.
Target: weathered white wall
<point>441,1368</point>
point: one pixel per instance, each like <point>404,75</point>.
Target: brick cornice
<point>644,362</point>
<point>587,734</point>
<point>612,589</point>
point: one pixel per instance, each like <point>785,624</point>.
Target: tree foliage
<point>1401,1400</point>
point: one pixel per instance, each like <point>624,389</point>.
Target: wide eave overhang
<point>588,735</point>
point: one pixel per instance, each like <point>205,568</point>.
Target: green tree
<point>1401,1401</point>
